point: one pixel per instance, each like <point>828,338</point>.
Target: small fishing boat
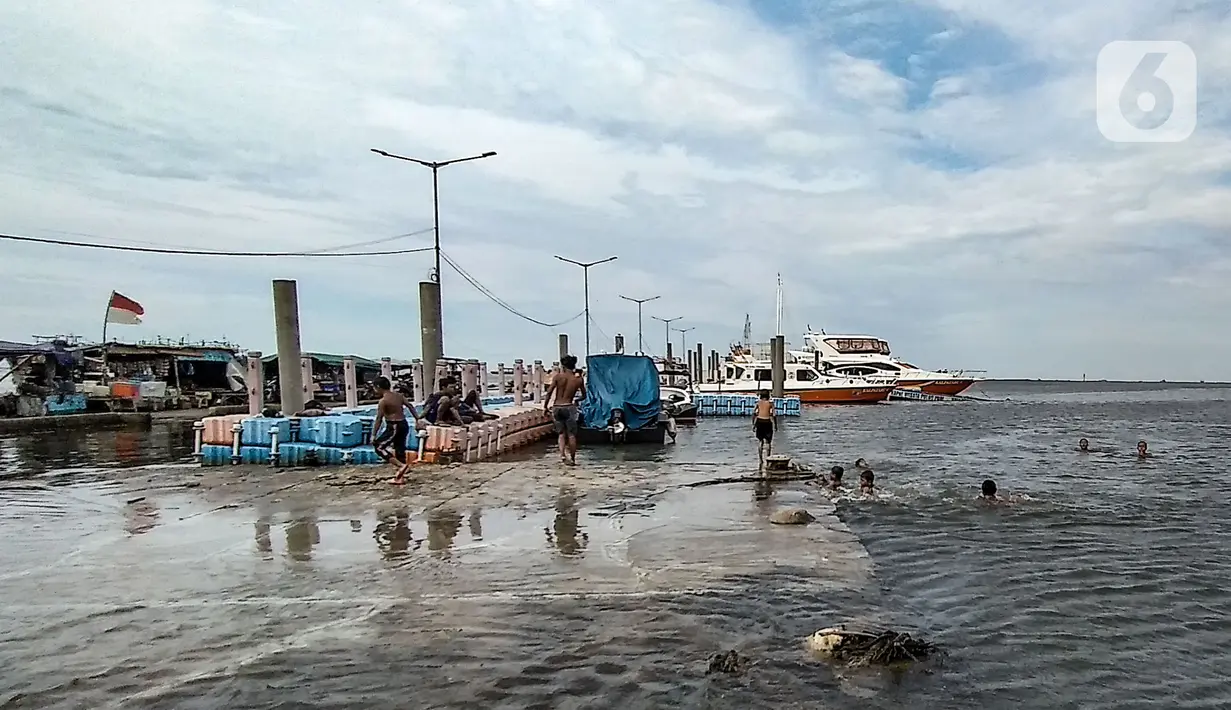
<point>623,403</point>
<point>675,384</point>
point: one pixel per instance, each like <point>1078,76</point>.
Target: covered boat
<point>623,402</point>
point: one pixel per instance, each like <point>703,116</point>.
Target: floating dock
<point>742,405</point>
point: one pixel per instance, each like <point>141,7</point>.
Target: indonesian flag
<point>124,310</point>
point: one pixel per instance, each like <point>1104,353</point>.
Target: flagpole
<point>106,316</point>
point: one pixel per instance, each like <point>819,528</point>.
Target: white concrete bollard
<point>418,393</point>
<point>519,382</point>
<point>350,379</point>
<point>386,368</point>
<point>255,381</point>
<point>305,375</point>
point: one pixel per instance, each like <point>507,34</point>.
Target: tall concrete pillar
<point>698,373</point>
<point>433,343</point>
<point>563,345</point>
<point>778,364</point>
<point>309,382</point>
<point>255,380</point>
<point>286,326</point>
<point>417,391</point>
<point>350,380</point>
<point>619,344</point>
<point>519,382</point>
<point>670,355</point>
<point>386,368</point>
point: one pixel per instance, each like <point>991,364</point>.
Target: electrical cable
<point>205,252</point>
<point>497,300</point>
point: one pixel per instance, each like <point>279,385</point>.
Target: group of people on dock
<point>445,407</point>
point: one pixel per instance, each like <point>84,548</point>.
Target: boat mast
<point>778,312</point>
<point>747,332</point>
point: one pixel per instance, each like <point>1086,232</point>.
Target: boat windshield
<point>850,346</point>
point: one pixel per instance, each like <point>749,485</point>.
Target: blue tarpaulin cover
<point>628,382</point>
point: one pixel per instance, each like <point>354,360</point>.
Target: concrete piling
<point>501,379</point>
<point>309,382</point>
<point>619,343</point>
<point>470,378</point>
<point>519,383</point>
<point>669,352</point>
<point>563,345</point>
<point>256,383</point>
<point>483,379</point>
<point>286,327</point>
<point>778,365</point>
<point>432,341</point>
<point>418,392</point>
<point>536,382</point>
<point>350,381</point>
<point>698,368</point>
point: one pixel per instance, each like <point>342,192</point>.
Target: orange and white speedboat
<point>866,355</point>
<point>741,373</point>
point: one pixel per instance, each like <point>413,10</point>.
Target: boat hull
<point>829,395</point>
<point>656,434</point>
<point>946,388</point>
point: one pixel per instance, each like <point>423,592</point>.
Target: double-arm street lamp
<point>585,268</point>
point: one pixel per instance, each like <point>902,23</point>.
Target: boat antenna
<point>748,332</point>
<point>778,312</point>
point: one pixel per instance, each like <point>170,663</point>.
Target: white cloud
<point>707,148</point>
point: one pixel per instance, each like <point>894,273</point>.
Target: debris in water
<point>134,501</point>
<point>862,648</point>
<point>791,516</point>
<point>728,662</point>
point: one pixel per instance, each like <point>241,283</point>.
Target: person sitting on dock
<point>566,385</point>
<point>472,407</point>
<point>390,412</point>
<point>448,407</point>
<point>763,426</point>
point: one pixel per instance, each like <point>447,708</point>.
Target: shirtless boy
<point>763,425</point>
<point>390,413</point>
<point>566,384</point>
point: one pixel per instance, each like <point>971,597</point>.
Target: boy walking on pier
<point>763,426</point>
<point>566,384</point>
<point>390,412</point>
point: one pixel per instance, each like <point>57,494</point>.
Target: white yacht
<point>866,355</point>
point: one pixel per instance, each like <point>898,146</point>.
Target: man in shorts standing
<point>565,385</point>
<point>390,412</point>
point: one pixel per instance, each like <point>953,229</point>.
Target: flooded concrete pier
<point>512,584</point>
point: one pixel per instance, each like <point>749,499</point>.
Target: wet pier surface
<point>523,583</point>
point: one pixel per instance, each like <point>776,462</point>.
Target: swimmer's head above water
<point>1083,444</point>
<point>861,463</point>
<point>989,489</point>
<point>835,476</point>
<point>1142,449</point>
<point>867,481</point>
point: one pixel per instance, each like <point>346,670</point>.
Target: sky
<point>928,171</point>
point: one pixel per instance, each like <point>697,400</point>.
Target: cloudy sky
<point>929,171</point>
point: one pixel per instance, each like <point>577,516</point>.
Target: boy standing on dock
<point>763,425</point>
<point>566,384</point>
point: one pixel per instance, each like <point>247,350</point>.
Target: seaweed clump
<point>861,648</point>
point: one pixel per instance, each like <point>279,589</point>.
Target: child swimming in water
<point>835,478</point>
<point>989,492</point>
<point>867,482</point>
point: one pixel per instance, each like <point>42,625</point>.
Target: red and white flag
<point>124,310</point>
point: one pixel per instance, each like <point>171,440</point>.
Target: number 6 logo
<point>1146,92</point>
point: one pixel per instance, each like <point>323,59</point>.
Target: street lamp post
<point>667,322</point>
<point>585,269</point>
<point>639,302</point>
<point>433,330</point>
<point>682,332</point>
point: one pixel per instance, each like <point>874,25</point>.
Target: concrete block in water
<point>216,455</point>
<point>256,430</point>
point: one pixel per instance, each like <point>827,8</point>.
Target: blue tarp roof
<point>628,382</point>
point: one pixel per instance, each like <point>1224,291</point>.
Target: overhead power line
<point>327,251</point>
<point>499,301</point>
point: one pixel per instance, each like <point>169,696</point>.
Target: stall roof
<point>187,353</point>
<point>332,360</point>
